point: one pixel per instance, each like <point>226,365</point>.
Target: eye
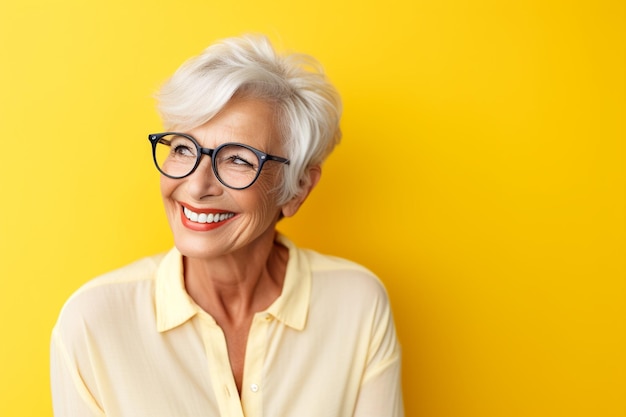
<point>239,160</point>
<point>180,146</point>
<point>183,150</point>
<point>235,156</point>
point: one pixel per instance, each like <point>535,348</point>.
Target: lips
<point>204,219</point>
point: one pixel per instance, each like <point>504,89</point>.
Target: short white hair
<point>308,107</point>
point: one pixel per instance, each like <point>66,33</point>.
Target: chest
<point>200,369</point>
<point>236,339</point>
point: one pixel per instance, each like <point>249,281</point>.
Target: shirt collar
<point>292,306</point>
<point>174,306</point>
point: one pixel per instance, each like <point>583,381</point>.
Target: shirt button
<point>254,387</point>
<point>268,317</point>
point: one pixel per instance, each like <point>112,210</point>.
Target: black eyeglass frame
<point>261,156</point>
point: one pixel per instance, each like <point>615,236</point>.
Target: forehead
<point>248,121</point>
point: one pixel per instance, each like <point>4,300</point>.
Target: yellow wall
<point>481,176</point>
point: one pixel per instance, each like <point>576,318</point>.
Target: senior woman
<point>235,320</point>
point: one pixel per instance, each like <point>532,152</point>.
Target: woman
<point>235,320</point>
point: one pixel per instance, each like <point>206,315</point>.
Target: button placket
<point>252,397</point>
<point>220,371</point>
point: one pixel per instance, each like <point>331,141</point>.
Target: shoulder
<point>132,274</point>
<point>351,302</point>
<point>341,278</point>
<point>112,293</point>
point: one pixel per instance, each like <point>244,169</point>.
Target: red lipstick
<point>202,227</point>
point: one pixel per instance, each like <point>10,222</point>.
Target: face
<point>246,217</point>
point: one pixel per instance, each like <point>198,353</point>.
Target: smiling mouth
<point>206,217</point>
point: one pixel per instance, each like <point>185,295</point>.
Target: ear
<point>313,174</point>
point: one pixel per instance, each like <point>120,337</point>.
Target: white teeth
<point>206,218</point>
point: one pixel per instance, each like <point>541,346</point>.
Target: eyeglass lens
<point>235,165</point>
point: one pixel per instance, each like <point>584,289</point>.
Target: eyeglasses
<point>237,166</point>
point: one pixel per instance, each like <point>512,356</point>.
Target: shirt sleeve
<point>380,394</point>
<point>70,395</point>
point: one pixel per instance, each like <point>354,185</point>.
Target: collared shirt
<point>133,343</point>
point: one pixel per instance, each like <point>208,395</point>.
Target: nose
<point>203,182</point>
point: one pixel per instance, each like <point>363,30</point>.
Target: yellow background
<point>481,176</point>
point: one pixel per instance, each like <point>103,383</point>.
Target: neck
<point>234,287</point>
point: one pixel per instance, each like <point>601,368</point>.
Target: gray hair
<point>308,107</point>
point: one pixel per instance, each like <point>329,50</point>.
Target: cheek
<point>267,189</point>
<point>264,200</point>
<point>167,186</point>
<point>270,180</point>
